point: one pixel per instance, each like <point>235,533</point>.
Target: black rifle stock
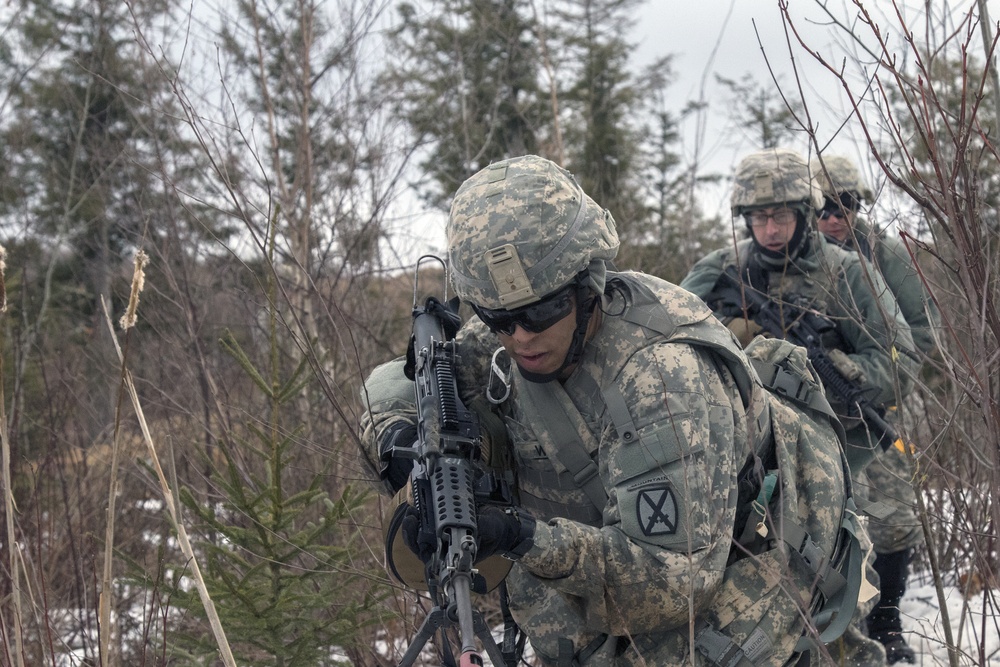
<point>805,328</point>
<point>443,484</point>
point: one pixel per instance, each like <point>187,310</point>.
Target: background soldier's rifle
<point>805,327</point>
<point>444,485</point>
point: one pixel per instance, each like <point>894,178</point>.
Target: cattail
<point>3,283</point>
<point>138,282</point>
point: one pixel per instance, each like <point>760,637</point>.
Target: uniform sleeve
<point>873,325</point>
<point>661,554</point>
<point>702,277</point>
<point>903,280</point>
<point>388,396</point>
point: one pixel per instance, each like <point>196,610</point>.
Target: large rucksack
<point>794,488</point>
<point>795,575</point>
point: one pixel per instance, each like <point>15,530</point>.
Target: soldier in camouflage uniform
<point>630,416</point>
<point>889,477</point>
<point>786,260</point>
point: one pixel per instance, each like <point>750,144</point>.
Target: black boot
<point>883,622</point>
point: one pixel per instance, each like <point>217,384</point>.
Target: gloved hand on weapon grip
<point>395,470</point>
<point>508,531</point>
<point>410,528</point>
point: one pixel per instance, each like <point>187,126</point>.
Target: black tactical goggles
<point>535,317</point>
<point>845,203</point>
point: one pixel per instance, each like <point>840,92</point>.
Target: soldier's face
<point>773,228</point>
<point>541,352</point>
<point>836,224</point>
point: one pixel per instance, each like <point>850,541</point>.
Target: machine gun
<point>444,486</point>
<point>805,328</point>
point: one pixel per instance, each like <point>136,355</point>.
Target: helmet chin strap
<point>584,311</point>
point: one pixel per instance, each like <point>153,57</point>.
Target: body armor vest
<point>551,482</point>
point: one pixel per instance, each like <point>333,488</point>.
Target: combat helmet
<point>836,174</point>
<point>777,177</point>
<point>522,231</point>
<point>773,177</point>
<point>523,228</point>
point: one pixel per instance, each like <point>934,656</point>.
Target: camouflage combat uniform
<point>835,283</point>
<point>889,476</point>
<point>668,410</point>
<point>888,480</point>
<point>869,326</point>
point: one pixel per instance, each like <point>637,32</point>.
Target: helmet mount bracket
<point>509,277</point>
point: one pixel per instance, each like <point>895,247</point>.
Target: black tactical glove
<point>395,470</point>
<point>410,528</point>
<point>507,531</point>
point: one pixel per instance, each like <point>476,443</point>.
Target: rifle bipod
<point>437,619</point>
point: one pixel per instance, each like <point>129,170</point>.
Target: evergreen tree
<point>760,112</point>
<point>963,123</point>
<point>674,233</point>
<point>279,570</point>
<point>81,130</point>
<point>601,138</point>
<point>468,81</point>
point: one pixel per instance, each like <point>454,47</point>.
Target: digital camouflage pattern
<point>524,213</point>
<point>651,564</point>
<point>622,576</point>
<point>809,452</point>
<point>889,479</point>
<point>870,327</point>
<point>579,581</point>
<point>835,174</point>
<point>773,177</point>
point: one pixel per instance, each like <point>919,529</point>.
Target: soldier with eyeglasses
<point>787,260</point>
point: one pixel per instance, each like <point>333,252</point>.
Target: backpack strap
<point>548,403</point>
<point>836,615</point>
<point>790,385</point>
<point>721,651</point>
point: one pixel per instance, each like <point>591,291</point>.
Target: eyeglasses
<point>535,317</point>
<point>782,217</point>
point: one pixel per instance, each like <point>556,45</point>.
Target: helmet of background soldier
<point>523,228</point>
<point>774,177</point>
<point>835,174</point>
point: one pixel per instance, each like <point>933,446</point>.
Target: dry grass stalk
<point>138,282</point>
<point>8,499</point>
<point>168,498</point>
<point>107,593</point>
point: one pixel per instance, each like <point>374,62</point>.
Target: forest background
<point>183,487</point>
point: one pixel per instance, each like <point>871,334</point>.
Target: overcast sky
<point>734,37</point>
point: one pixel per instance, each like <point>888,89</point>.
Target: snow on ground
<point>924,626</point>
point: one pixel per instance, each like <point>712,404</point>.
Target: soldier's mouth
<point>530,361</point>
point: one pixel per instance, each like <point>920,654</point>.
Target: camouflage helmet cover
<point>771,177</point>
<point>523,228</point>
<point>843,174</point>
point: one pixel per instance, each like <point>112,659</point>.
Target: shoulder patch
<point>656,510</point>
